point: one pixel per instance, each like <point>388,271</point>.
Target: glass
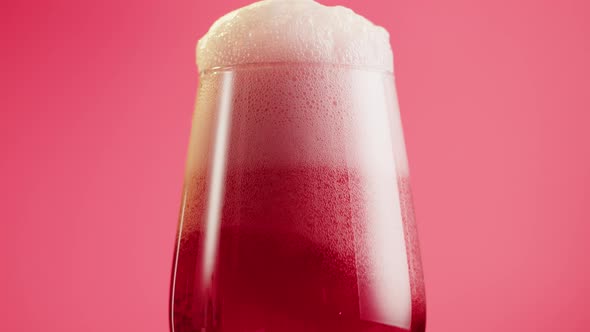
<point>297,212</point>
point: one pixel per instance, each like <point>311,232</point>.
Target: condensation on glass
<point>297,212</point>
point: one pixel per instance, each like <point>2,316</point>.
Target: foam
<point>301,31</point>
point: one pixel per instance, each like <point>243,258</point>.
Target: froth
<point>302,31</point>
<point>300,116</point>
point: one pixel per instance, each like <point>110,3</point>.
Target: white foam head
<point>301,31</point>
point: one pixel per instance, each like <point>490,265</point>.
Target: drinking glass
<point>297,211</point>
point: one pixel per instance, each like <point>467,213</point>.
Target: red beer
<point>297,212</point>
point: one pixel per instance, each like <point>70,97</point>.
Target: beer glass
<point>296,210</point>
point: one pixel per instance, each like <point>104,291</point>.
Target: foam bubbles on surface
<point>301,31</point>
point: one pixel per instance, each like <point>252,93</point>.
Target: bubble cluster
<point>301,115</point>
<point>305,31</point>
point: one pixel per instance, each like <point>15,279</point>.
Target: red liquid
<point>295,245</point>
<point>286,258</point>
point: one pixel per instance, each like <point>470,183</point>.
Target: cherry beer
<point>297,211</point>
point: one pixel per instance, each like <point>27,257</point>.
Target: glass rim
<point>259,65</point>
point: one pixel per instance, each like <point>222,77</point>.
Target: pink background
<point>96,100</point>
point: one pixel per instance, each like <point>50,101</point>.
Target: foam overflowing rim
<point>273,32</point>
